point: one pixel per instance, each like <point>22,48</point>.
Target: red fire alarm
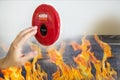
<point>47,20</point>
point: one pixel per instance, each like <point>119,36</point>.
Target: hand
<point>15,57</point>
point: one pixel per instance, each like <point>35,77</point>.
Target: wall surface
<point>77,16</point>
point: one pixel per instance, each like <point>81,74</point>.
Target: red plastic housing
<point>47,20</point>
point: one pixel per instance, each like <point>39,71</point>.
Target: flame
<point>82,71</point>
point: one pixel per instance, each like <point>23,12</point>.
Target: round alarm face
<point>47,20</point>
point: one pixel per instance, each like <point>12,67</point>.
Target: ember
<point>82,71</point>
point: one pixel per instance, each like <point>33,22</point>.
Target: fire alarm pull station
<point>46,18</point>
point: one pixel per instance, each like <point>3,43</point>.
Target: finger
<point>21,40</point>
<point>26,31</point>
<point>26,37</point>
<point>22,33</point>
<point>28,56</point>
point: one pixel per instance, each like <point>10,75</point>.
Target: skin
<point>15,57</point>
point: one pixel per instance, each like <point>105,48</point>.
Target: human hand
<point>15,57</point>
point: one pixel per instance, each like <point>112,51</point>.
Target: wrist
<point>3,63</point>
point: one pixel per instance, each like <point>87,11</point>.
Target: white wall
<point>77,16</point>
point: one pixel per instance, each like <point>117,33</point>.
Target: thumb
<point>29,56</point>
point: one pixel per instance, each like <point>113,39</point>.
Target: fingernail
<point>35,27</point>
<point>35,31</point>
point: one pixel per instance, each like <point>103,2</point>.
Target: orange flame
<point>64,72</point>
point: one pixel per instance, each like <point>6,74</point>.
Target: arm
<point>15,57</point>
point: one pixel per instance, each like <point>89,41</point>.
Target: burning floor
<point>87,59</point>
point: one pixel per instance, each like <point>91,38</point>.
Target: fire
<point>82,71</point>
